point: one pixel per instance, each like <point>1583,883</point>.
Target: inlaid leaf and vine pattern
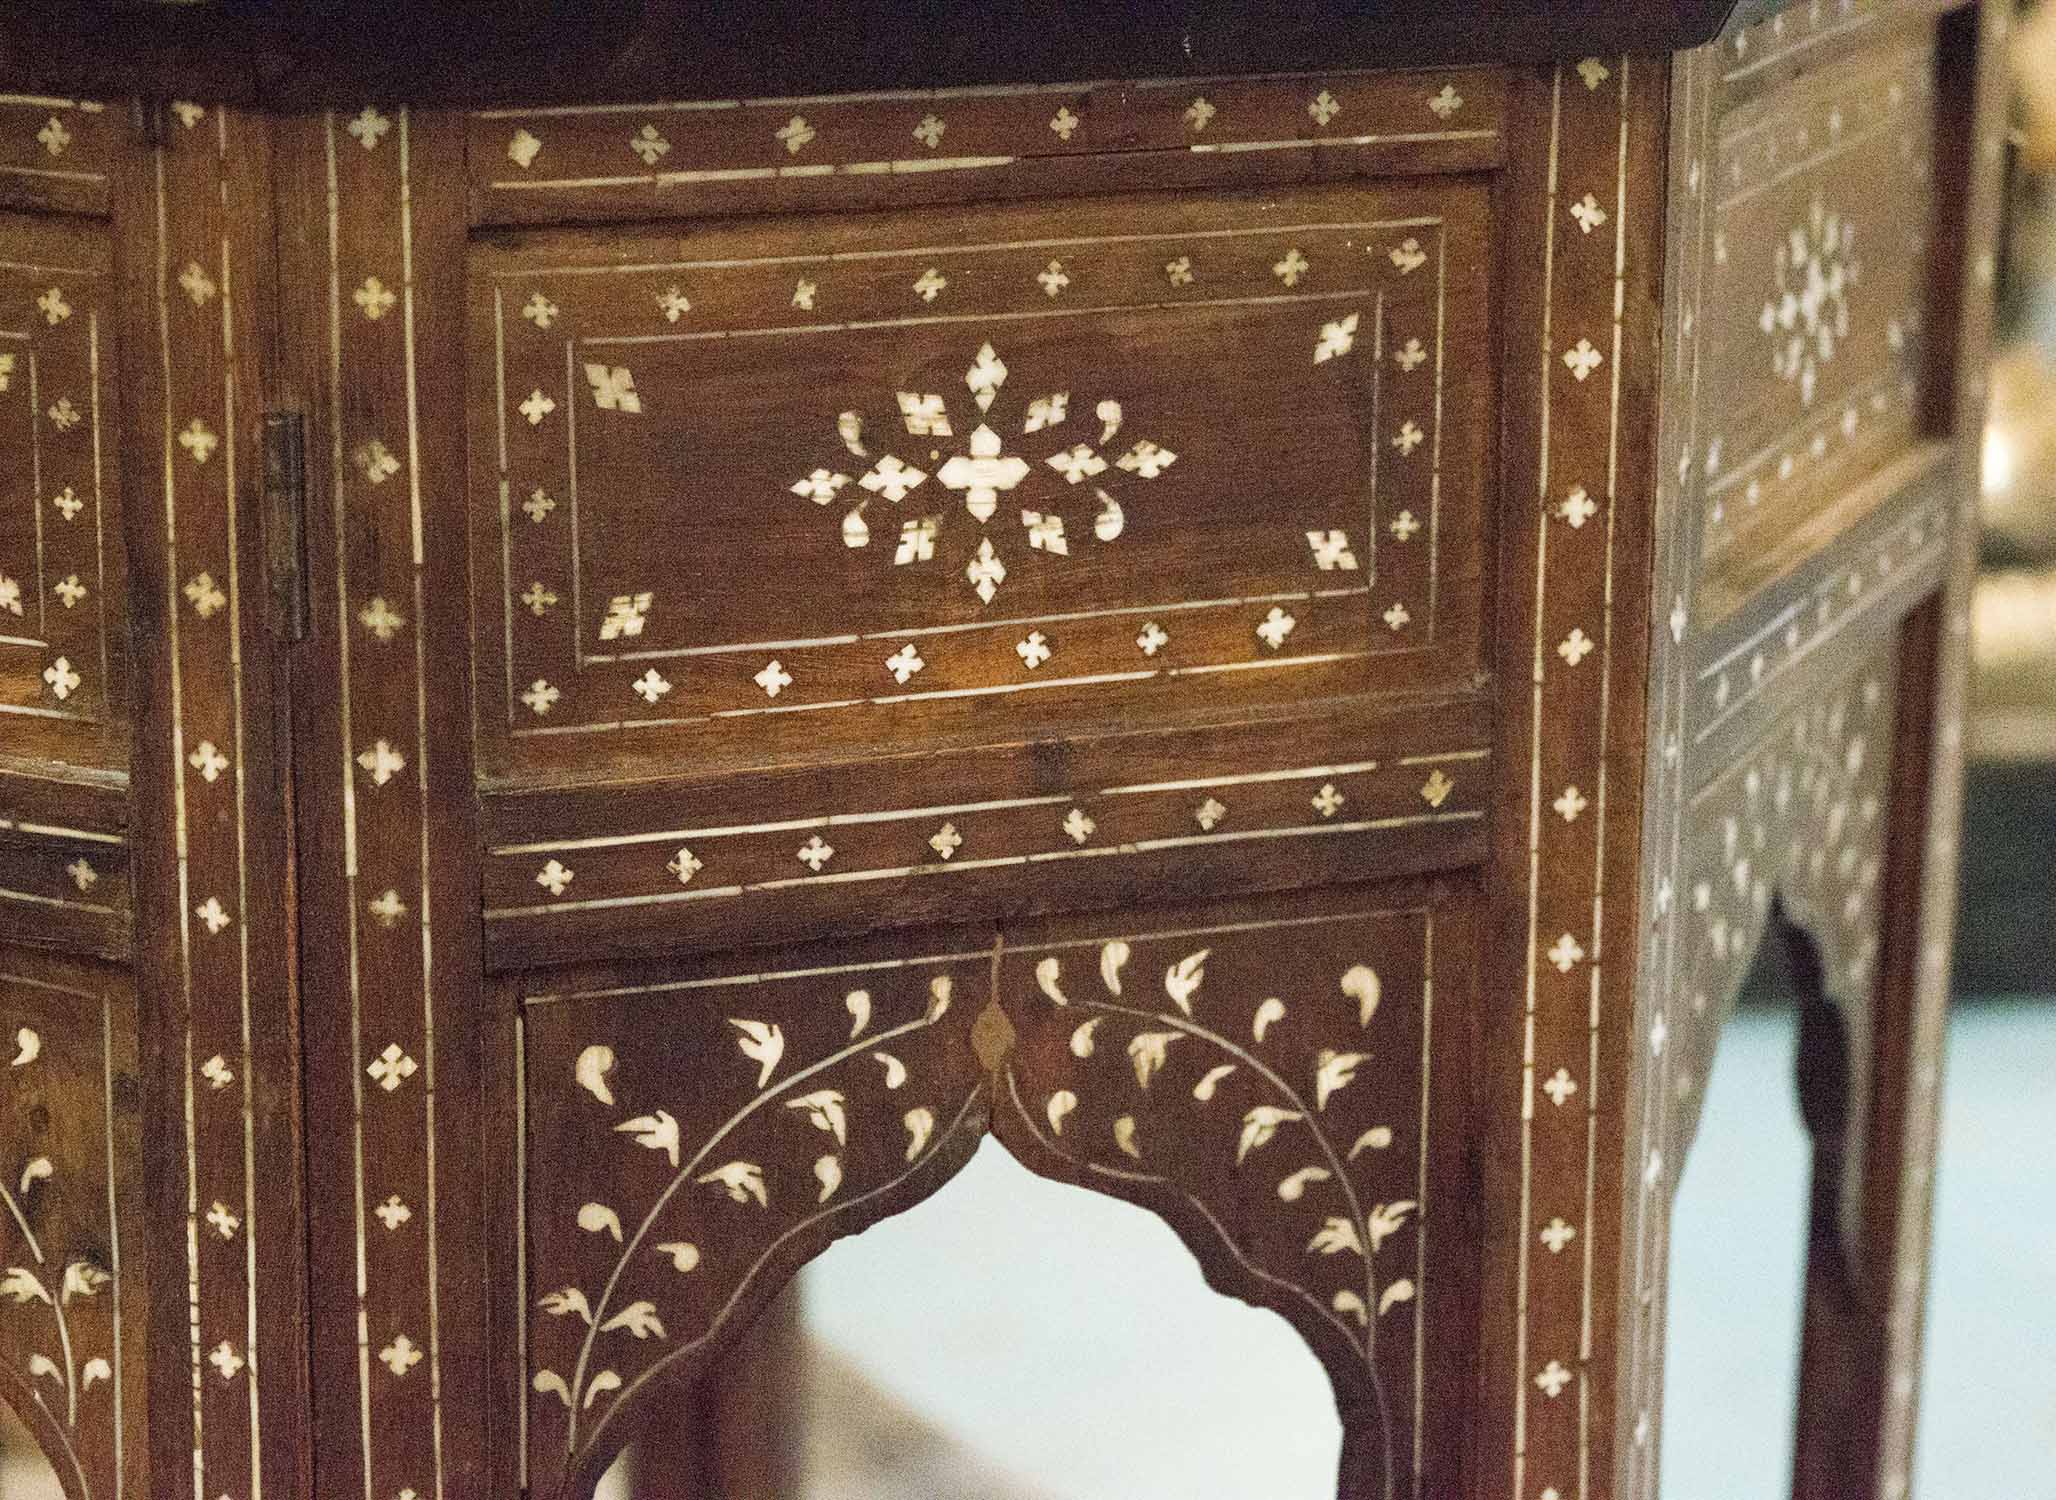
<point>693,1165</point>
<point>1263,1092</point>
<point>61,1314</point>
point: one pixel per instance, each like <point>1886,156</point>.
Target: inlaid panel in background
<point>1287,1083</point>
<point>739,491</point>
<point>62,617</point>
<point>1819,288</point>
<point>71,1291</point>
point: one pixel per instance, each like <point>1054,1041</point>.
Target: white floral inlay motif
<point>1807,317</point>
<point>374,297</point>
<point>1332,551</point>
<point>522,149</point>
<point>382,763</point>
<point>61,679</point>
<point>370,127</point>
<point>204,596</point>
<point>1064,123</point>
<point>391,1068</point>
<point>199,440</point>
<point>904,663</point>
<point>979,466</point>
<point>208,761</point>
<point>1337,338</point>
<point>381,619</point>
<point>649,144</point>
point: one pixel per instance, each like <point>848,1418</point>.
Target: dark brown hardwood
<point>611,652</point>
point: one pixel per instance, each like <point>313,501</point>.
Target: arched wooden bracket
<point>1791,841</point>
<point>1267,1100</point>
<point>1261,1082</point>
<point>714,1145</point>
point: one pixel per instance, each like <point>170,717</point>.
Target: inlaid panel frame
<point>1889,976</point>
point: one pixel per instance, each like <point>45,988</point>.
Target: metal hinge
<point>285,521</point>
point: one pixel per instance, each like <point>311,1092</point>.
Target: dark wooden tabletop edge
<point>462,53</point>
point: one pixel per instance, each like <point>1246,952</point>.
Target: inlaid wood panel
<point>1822,202</point>
<point>72,1298</point>
<point>1286,1083</point>
<point>985,473</point>
<point>710,156</point>
<point>1299,799</point>
<point>63,621</point>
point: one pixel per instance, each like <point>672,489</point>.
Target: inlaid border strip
<point>1587,491</point>
<point>386,821</point>
<point>207,625</point>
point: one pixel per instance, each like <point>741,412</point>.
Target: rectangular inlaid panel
<point>1818,292</point>
<point>62,621</point>
<point>1287,1083</point>
<point>740,491</point>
